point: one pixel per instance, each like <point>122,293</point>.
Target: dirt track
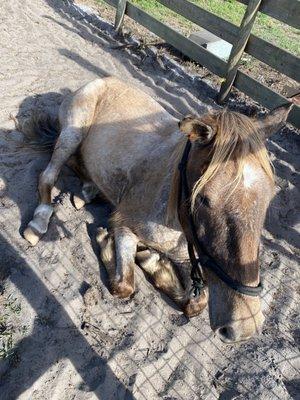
<point>69,338</point>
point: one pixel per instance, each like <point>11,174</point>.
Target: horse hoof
<point>31,236</point>
<point>196,305</point>
<point>78,202</point>
<point>123,290</point>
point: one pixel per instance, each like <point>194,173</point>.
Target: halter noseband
<point>204,260</point>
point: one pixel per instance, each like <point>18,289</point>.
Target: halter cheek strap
<point>203,259</point>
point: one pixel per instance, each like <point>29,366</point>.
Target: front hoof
<point>122,290</point>
<point>195,305</point>
<point>31,236</point>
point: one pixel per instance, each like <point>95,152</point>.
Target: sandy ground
<point>62,335</point>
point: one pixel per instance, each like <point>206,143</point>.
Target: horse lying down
<point>124,145</point>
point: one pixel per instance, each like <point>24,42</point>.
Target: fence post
<point>120,11</point>
<point>238,48</point>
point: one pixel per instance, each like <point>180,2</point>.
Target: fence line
<point>280,59</point>
<point>277,58</point>
<point>238,48</point>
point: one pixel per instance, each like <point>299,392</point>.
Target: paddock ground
<point>62,335</point>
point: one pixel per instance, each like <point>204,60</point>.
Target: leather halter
<point>204,260</point>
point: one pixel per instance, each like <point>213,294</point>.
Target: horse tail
<point>40,130</point>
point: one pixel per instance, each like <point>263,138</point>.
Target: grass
<point>11,309</point>
<point>265,27</point>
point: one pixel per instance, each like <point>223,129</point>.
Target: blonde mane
<point>236,138</point>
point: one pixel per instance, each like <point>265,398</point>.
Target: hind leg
<point>118,255</point>
<point>89,190</point>
<point>76,115</point>
<point>67,143</point>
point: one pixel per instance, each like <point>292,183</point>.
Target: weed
<point>13,305</point>
<point>6,350</point>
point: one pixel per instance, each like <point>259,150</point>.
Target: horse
<point>126,147</point>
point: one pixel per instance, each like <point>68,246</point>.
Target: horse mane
<point>236,138</point>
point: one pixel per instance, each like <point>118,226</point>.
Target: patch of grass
<point>6,338</point>
<point>7,345</point>
<point>13,305</point>
<point>11,308</point>
<point>265,27</point>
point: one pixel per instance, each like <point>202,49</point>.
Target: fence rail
<point>286,11</point>
<point>270,54</point>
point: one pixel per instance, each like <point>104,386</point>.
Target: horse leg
<point>76,115</point>
<point>118,255</point>
<point>163,274</point>
<point>89,190</point>
<point>107,253</point>
<point>67,143</point>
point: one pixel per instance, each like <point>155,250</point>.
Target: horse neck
<point>166,172</point>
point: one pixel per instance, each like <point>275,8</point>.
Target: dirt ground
<point>62,335</point>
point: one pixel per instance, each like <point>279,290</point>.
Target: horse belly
<point>126,132</point>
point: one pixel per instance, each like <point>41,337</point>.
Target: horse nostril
<point>226,334</point>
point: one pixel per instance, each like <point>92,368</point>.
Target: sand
<point>62,335</point>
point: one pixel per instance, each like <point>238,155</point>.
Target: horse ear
<point>196,130</point>
<point>273,121</point>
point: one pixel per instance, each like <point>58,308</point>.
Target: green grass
<point>10,311</point>
<point>265,27</point>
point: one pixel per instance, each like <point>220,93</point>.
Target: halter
<point>204,260</point>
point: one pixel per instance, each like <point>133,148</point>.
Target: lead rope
<point>196,272</point>
<point>204,259</point>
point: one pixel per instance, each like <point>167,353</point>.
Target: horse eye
<point>205,201</point>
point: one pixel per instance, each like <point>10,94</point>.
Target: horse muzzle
<point>241,329</point>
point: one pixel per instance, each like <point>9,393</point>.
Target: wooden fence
<point>287,11</point>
